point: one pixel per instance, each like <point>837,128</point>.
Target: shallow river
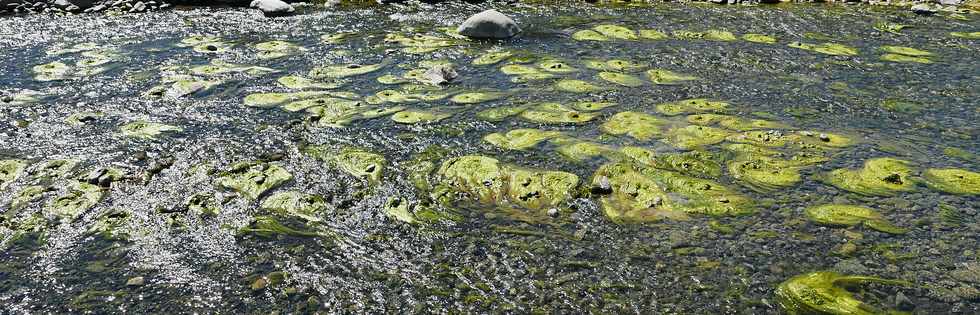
<point>675,158</point>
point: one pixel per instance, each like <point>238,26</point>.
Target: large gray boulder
<point>489,24</point>
<point>273,7</point>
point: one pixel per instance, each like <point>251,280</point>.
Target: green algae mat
<point>617,158</point>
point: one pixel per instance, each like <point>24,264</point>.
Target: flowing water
<point>120,162</point>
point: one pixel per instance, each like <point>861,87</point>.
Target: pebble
<point>553,212</point>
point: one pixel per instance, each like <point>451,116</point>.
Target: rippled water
<point>485,257</point>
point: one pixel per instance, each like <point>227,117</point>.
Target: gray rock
<point>924,9</point>
<point>950,2</point>
<point>489,24</point>
<point>273,7</point>
<point>135,282</point>
<point>441,74</point>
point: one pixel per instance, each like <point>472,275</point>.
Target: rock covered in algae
<point>265,100</point>
<point>53,71</point>
<point>733,122</point>
<point>357,162</point>
<point>147,130</point>
<point>591,106</point>
<point>556,66</point>
<point>764,174</point>
<point>967,35</point>
<point>848,215</point>
<point>398,208</point>
<point>579,151</point>
<point>695,163</point>
<point>500,113</point>
<point>720,35</point>
<point>419,116</point>
<point>953,181</point>
<point>823,292</point>
<point>10,170</point>
<point>577,86</point>
<point>589,35</point>
<point>252,179</point>
<point>477,97</point>
<point>492,57</point>
<point>667,77</point>
<point>640,193</point>
<point>297,204</point>
<point>487,181</point>
<point>520,139</point>
<point>905,58</point>
<point>635,124</point>
<point>621,79</point>
<point>75,200</point>
<point>343,71</point>
<point>833,49</point>
<point>878,177</point>
<point>616,31</point>
<point>759,38</point>
<point>697,105</point>
<point>554,113</point>
<point>693,136</point>
<point>619,65</point>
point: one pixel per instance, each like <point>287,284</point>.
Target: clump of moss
<point>500,113</point>
<point>579,151</point>
<point>53,71</point>
<point>848,215</point>
<point>520,139</point>
<point>720,35</point>
<point>266,100</point>
<point>638,125</point>
<point>878,177</point>
<point>556,66</point>
<point>492,57</point>
<point>252,179</point>
<point>485,180</point>
<point>823,292</point>
<point>554,113</point>
<point>667,77</point>
<point>616,31</point>
<point>953,181</point>
<point>589,35</point>
<point>698,105</point>
<point>637,193</point>
<point>297,204</point>
<point>277,49</point>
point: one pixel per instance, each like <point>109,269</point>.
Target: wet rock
<point>273,7</point>
<point>924,9</point>
<point>602,187</point>
<point>489,24</point>
<point>135,282</point>
<point>440,74</point>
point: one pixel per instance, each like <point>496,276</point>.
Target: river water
<point>162,210</point>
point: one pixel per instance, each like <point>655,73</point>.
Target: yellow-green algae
<point>419,116</point>
<point>849,215</point>
<point>294,203</point>
<point>477,97</point>
<point>277,49</point>
<point>500,113</point>
<point>300,83</point>
<point>53,71</point>
<point>878,177</point>
<point>487,181</point>
<point>277,99</point>
<point>953,181</point>
<point>76,199</point>
<point>833,49</point>
<point>554,113</point>
<point>591,106</point>
<point>357,162</point>
<point>889,27</point>
<point>645,194</point>
<point>492,57</point>
<point>398,208</point>
<point>213,47</point>
<point>589,35</point>
<point>904,58</point>
<point>325,104</point>
<point>652,34</point>
<point>612,65</point>
<point>27,195</point>
<point>635,124</point>
<point>967,35</point>
<point>578,151</point>
<point>695,163</point>
<point>759,38</point>
<point>694,136</point>
<point>720,35</point>
<point>220,67</point>
<point>252,179</point>
<point>823,292</point>
<point>520,139</point>
<point>763,173</point>
<point>908,51</point>
<point>147,130</point>
<point>10,170</point>
<point>577,86</point>
<point>343,71</point>
<point>733,122</point>
<point>556,66</point>
<point>698,105</point>
<point>667,77</point>
<point>615,31</point>
<point>621,79</point>
<point>688,35</point>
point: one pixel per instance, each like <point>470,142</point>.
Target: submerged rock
<point>925,8</point>
<point>489,24</point>
<point>273,7</point>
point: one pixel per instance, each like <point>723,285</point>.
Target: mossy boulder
<point>252,179</point>
<point>824,292</point>
<point>848,215</point>
<point>493,57</point>
<point>616,31</point>
<point>953,181</point>
<point>690,106</point>
<point>579,151</point>
<point>589,35</point>
<point>720,35</point>
<point>878,177</point>
<point>485,180</point>
<point>520,139</point>
<point>477,97</point>
<point>638,125</point>
<point>618,65</point>
<point>556,66</point>
<point>297,204</point>
<point>53,71</point>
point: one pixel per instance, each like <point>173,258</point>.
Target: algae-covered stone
<point>213,47</point>
<point>698,105</point>
<point>297,204</point>
<point>612,65</point>
<point>589,35</point>
<point>577,86</point>
<point>220,67</point>
<point>695,163</point>
<point>277,49</point>
<point>688,35</point>
<point>252,179</point>
<point>733,122</point>
<point>198,39</point>
<point>634,124</point>
<point>591,106</point>
<point>578,151</point>
<point>667,77</point>
<point>953,181</point>
<point>759,38</point>
<point>556,66</point>
<point>477,97</point>
<point>398,209</point>
<point>487,181</point>
<point>518,69</point>
<point>390,96</point>
<point>652,34</point>
<point>419,116</point>
<point>76,199</point>
<point>326,106</point>
<point>823,292</point>
<point>500,113</point>
<point>147,130</point>
<point>825,139</point>
<point>53,71</point>
<point>646,194</point>
<point>720,35</point>
<point>616,31</point>
<point>276,99</point>
<point>492,57</point>
<point>848,215</point>
<point>764,138</point>
<point>343,71</point>
<point>904,58</point>
<point>695,136</point>
<point>21,97</point>
<point>53,169</point>
<point>763,173</point>
<point>833,49</point>
<point>878,177</point>
<point>907,51</point>
<point>621,79</point>
<point>10,170</point>
<point>27,195</point>
<point>554,113</point>
<point>967,35</point>
<point>300,83</point>
<point>520,139</point>
<point>357,162</point>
